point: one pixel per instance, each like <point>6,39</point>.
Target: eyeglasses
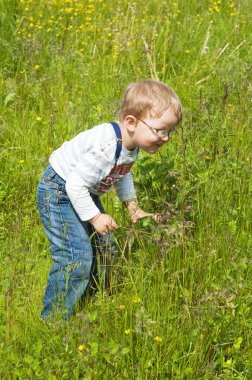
<point>159,132</point>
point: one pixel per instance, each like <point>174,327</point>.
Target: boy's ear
<point>130,122</point>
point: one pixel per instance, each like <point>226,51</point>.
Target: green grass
<point>180,304</point>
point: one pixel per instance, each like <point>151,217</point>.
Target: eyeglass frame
<point>155,131</point>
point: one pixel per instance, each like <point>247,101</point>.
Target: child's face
<point>152,133</point>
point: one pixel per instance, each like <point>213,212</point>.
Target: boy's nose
<point>165,138</point>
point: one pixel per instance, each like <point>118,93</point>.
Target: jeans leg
<point>71,251</point>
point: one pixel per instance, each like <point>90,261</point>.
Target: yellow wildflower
<point>68,10</point>
<point>36,67</point>
<point>136,299</point>
<point>229,362</point>
<point>121,307</point>
<point>127,332</point>
<point>81,347</point>
<point>38,118</point>
<point>158,339</point>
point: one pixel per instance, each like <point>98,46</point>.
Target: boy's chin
<point>152,150</point>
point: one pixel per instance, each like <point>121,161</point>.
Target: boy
<point>86,167</point>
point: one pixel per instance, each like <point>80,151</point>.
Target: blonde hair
<point>149,98</point>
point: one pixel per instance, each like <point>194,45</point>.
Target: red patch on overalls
<point>114,176</point>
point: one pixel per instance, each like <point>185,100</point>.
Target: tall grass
<point>180,300</point>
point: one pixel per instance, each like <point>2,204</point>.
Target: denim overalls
<point>74,253</point>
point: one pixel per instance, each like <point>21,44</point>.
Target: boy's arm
<point>85,206</point>
<point>125,188</point>
<point>126,192</point>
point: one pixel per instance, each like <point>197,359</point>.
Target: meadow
<point>180,302</point>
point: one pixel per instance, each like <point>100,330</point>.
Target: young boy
<point>86,167</point>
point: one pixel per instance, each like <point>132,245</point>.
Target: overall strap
<point>118,140</point>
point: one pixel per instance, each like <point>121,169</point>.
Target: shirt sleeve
<point>93,167</point>
<point>125,188</point>
<point>80,197</point>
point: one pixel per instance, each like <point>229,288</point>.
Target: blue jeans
<point>74,251</point>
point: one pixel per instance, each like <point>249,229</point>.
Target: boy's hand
<point>103,223</point>
<point>137,213</point>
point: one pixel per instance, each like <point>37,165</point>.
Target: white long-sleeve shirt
<point>87,164</point>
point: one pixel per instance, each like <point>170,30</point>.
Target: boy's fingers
<point>113,224</point>
<point>157,217</point>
